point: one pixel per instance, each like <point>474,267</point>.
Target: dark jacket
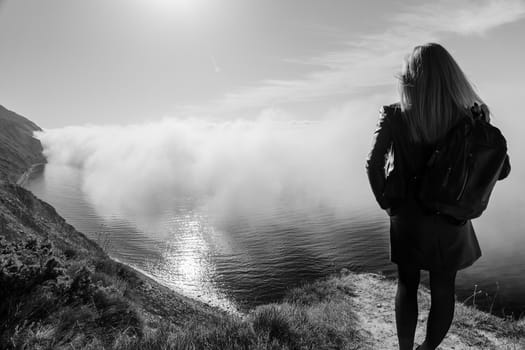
<point>418,238</point>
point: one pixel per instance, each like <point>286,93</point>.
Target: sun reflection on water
<point>187,262</point>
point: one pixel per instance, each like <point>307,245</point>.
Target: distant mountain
<point>19,150</point>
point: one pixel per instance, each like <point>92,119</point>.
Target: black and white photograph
<point>262,174</point>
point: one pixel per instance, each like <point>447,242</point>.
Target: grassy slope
<point>46,263</point>
<point>59,290</point>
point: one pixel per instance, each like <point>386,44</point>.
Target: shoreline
<point>229,308</point>
<point>232,310</point>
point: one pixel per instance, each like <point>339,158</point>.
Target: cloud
<point>368,60</point>
<point>246,166</point>
<point>462,17</point>
<point>232,168</point>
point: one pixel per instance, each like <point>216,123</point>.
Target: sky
<point>247,105</point>
<point>72,62</point>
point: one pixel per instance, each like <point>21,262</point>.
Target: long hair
<point>434,92</point>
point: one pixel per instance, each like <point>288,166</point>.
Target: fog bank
<point>231,167</point>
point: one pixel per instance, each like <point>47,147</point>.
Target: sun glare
<point>179,7</point>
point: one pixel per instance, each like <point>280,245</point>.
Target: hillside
<point>18,149</point>
<point>60,290</point>
<point>53,278</point>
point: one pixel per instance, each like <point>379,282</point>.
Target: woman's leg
<point>442,288</point>
<point>406,305</point>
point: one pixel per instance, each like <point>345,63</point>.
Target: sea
<point>240,262</point>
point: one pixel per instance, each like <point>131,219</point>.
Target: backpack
<point>460,174</point>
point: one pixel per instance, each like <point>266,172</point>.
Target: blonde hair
<point>434,92</point>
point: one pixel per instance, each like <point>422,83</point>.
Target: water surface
<point>242,262</point>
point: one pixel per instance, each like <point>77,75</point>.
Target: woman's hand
<point>481,111</point>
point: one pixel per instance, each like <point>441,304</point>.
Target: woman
<point>434,95</point>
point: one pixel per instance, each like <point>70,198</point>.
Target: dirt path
<point>374,303</point>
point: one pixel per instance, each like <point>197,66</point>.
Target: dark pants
<point>442,288</point>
